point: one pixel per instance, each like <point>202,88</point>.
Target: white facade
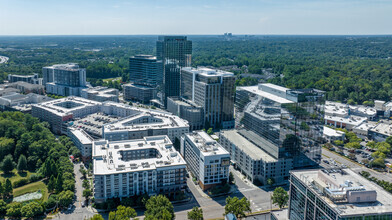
<point>206,158</point>
<point>252,161</point>
<point>100,94</point>
<point>82,141</point>
<point>125,168</point>
<point>142,122</point>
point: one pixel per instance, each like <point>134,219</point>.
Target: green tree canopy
<point>22,163</point>
<point>31,209</point>
<point>195,214</point>
<point>8,164</point>
<point>97,217</point>
<point>65,198</point>
<point>237,206</point>
<point>159,207</point>
<point>280,197</point>
<point>122,213</point>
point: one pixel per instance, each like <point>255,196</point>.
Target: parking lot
<point>93,123</point>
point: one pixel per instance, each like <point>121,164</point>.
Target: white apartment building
<point>252,161</point>
<point>82,141</point>
<point>60,111</point>
<point>100,94</point>
<point>146,122</point>
<point>206,158</point>
<point>64,79</point>
<point>125,168</point>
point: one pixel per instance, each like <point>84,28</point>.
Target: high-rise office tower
<point>214,91</point>
<point>286,123</point>
<point>146,70</point>
<point>277,130</point>
<point>175,52</point>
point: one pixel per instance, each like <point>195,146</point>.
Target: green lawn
<point>112,79</point>
<point>32,187</point>
<point>14,175</point>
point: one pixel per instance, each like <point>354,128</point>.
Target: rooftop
<point>147,119</point>
<point>337,187</point>
<point>82,136</point>
<point>255,90</point>
<point>336,108</point>
<point>332,132</point>
<point>66,66</point>
<point>384,127</point>
<point>65,106</point>
<point>352,120</point>
<point>206,144</point>
<point>207,71</point>
<point>108,156</point>
<point>246,146</point>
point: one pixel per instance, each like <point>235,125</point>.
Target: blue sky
<point>110,17</point>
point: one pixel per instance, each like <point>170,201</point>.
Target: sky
<point>194,17</point>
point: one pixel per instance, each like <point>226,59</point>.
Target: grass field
<point>112,79</point>
<point>32,187</point>
<point>14,175</point>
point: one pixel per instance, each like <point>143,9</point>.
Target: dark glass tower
<point>146,70</point>
<point>175,52</point>
<point>283,122</point>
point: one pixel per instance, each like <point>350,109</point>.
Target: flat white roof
<point>276,87</point>
<point>53,105</point>
<point>255,90</point>
<point>382,205</point>
<point>81,135</point>
<point>206,144</point>
<point>352,120</point>
<point>247,147</point>
<point>157,120</point>
<point>208,71</point>
<point>107,157</point>
<point>329,132</point>
<point>383,128</point>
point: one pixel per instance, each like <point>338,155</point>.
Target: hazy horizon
<point>175,17</point>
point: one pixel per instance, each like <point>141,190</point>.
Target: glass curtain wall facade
<point>289,127</point>
<point>175,52</point>
<point>146,70</point>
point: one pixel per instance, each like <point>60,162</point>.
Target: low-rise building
<point>381,131</point>
<point>82,141</point>
<point>21,102</point>
<point>146,122</point>
<point>206,158</point>
<point>60,111</point>
<point>332,135</point>
<point>33,79</point>
<point>348,123</point>
<point>336,109</point>
<point>363,111</point>
<point>100,94</point>
<point>139,92</point>
<point>133,167</point>
<point>336,194</point>
<point>253,162</point>
<point>187,110</point>
<point>362,130</point>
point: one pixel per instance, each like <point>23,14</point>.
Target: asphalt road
<point>354,166</point>
<point>215,207</point>
<point>77,212</point>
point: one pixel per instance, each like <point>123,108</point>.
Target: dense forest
<point>350,69</point>
<point>33,159</point>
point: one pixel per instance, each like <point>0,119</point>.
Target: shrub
<point>21,182</point>
<point>35,177</point>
